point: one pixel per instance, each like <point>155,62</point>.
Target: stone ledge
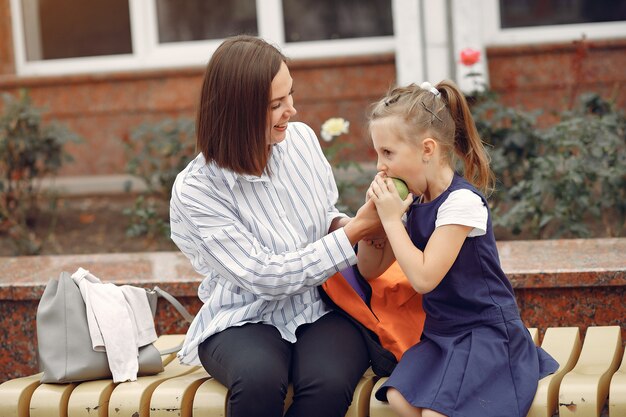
<point>570,263</point>
<point>557,283</point>
<point>24,278</point>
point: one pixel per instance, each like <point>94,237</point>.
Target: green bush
<point>351,184</point>
<point>567,180</point>
<point>158,152</point>
<point>29,152</point>
<point>145,219</point>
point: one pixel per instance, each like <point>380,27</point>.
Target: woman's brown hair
<point>231,124</point>
<point>444,115</point>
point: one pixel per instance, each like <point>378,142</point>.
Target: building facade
<point>104,67</point>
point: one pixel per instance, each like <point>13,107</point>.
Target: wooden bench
<point>587,370</point>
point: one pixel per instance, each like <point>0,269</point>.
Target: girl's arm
<point>374,255</point>
<point>338,223</point>
<point>426,269</point>
<point>372,261</point>
<point>373,258</point>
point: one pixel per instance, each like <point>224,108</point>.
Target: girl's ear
<point>428,147</point>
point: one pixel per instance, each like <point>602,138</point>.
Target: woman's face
<point>281,105</point>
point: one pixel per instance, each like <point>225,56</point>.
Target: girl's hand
<point>385,196</point>
<point>370,192</point>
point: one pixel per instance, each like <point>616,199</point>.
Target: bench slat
<point>534,334</point>
<point>564,345</point>
<point>134,397</point>
<point>174,397</point>
<point>585,389</point>
<point>617,391</point>
<point>210,399</point>
<point>380,408</point>
<point>15,395</point>
<point>50,400</point>
<point>91,399</point>
<point>361,398</point>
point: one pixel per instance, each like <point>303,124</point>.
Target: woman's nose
<point>292,110</point>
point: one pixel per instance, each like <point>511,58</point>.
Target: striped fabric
<point>261,243</point>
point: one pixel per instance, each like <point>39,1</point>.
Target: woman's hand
<point>365,224</point>
<point>388,203</point>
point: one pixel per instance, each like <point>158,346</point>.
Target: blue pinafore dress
<point>475,358</point>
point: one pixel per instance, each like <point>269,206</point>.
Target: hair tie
<point>428,86</point>
<point>390,100</point>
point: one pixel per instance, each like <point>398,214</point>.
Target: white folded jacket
<point>120,322</point>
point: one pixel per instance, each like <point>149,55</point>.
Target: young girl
<point>475,357</point>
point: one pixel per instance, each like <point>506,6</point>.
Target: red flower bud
<point>470,56</point>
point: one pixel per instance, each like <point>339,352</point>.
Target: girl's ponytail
<point>467,143</point>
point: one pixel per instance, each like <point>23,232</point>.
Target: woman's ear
<point>428,147</point>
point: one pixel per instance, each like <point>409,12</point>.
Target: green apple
<point>403,190</point>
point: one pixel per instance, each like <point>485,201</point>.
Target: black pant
<point>256,365</point>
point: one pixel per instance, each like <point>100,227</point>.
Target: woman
<point>255,214</point>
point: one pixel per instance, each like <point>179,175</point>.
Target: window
<point>196,20</point>
<point>73,36</point>
<point>312,20</point>
<point>539,21</point>
<point>93,28</point>
<point>524,13</point>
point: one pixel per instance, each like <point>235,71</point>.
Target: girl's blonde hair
<point>445,117</point>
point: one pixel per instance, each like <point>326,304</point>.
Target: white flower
<point>334,127</point>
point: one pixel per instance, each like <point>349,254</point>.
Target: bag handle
<point>175,303</point>
<point>181,310</point>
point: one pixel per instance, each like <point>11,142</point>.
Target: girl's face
<point>281,105</point>
<point>398,157</point>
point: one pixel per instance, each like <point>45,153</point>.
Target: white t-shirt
<point>466,208</point>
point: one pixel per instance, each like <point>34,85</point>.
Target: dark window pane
<point>194,20</point>
<point>521,13</point>
<point>76,28</point>
<point>311,20</point>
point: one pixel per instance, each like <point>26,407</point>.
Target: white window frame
<point>149,54</point>
<point>495,35</point>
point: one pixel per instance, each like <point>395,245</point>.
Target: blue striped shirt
<point>262,243</point>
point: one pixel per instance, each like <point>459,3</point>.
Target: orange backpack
<point>394,313</point>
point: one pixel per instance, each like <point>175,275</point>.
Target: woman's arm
<point>210,233</point>
<point>365,224</point>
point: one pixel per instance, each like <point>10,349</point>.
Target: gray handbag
<point>64,344</point>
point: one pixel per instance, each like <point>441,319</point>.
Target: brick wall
<point>550,76</point>
<point>104,108</point>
